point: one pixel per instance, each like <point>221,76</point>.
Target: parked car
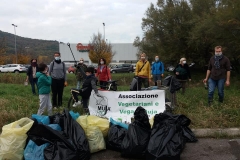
<point>71,69</point>
<point>121,68</point>
<point>16,68</point>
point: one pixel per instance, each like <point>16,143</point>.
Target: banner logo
<point>82,48</point>
<point>102,105</point>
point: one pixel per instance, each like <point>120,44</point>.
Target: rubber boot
<point>210,102</point>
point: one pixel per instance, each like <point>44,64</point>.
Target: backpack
<point>51,69</point>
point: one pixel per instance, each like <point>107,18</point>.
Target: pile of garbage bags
<point>69,136</point>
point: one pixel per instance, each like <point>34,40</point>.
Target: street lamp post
<point>15,42</point>
<point>104,30</point>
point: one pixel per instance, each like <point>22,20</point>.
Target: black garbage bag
<point>115,137</point>
<point>59,144</point>
<point>173,83</point>
<point>169,136</point>
<point>136,140</point>
<point>69,144</point>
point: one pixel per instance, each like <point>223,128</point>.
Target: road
<point>204,149</point>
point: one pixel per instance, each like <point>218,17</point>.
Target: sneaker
<point>76,104</point>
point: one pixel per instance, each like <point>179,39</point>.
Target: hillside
<point>34,47</point>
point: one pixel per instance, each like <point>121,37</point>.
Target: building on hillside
<point>124,53</point>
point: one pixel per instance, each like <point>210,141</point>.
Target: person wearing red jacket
<point>103,73</point>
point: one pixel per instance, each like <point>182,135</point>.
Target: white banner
<point>122,104</point>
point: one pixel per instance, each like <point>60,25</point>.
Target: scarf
<point>34,71</point>
<point>58,61</point>
<point>216,63</point>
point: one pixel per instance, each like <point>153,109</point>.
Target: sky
<point>74,21</point>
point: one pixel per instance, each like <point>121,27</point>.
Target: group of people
<point>54,78</point>
<point>47,79</point>
<point>218,73</point>
<point>145,72</point>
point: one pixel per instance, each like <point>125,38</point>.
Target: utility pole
<point>15,42</point>
<point>104,31</point>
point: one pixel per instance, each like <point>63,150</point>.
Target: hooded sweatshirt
<point>44,83</point>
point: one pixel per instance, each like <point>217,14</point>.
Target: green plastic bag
<point>13,139</point>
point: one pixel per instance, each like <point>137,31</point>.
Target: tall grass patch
<point>17,101</point>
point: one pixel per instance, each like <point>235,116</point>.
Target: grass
<point>17,101</point>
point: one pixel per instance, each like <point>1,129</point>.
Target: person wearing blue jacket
<point>44,88</point>
<point>157,70</point>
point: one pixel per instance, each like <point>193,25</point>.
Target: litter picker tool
<point>72,52</point>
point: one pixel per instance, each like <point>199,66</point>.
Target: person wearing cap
<point>182,73</point>
<point>157,70</point>
<point>78,74</point>
<point>88,85</point>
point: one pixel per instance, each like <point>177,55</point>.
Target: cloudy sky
<point>74,20</point>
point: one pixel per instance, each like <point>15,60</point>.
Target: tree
<point>100,49</point>
<point>3,49</point>
<point>191,28</point>
<point>165,27</point>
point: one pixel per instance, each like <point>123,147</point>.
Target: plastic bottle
<point>205,85</point>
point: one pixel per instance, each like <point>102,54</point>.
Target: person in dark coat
<point>88,85</point>
<point>31,74</point>
<point>78,74</point>
<point>182,73</point>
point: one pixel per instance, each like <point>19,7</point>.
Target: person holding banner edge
<point>143,72</point>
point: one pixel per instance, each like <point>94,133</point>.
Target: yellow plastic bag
<point>151,121</point>
<point>13,139</point>
<point>82,120</point>
<point>93,134</point>
<point>95,139</point>
<point>101,123</point>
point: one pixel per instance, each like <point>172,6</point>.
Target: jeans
<point>157,77</point>
<point>33,83</point>
<point>75,93</point>
<point>212,84</point>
